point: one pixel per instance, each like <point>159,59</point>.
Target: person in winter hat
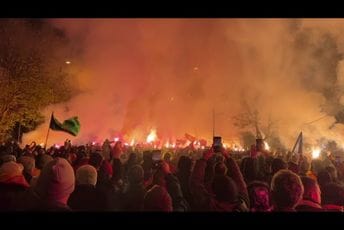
<point>311,200</point>
<point>7,158</point>
<point>86,174</point>
<point>260,198</point>
<point>13,186</point>
<point>54,186</point>
<point>29,166</point>
<point>287,190</point>
<point>133,195</point>
<point>86,197</point>
<point>278,164</point>
<point>41,161</point>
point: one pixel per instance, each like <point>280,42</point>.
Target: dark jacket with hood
<point>133,197</point>
<point>204,200</point>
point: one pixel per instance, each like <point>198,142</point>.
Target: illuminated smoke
<point>170,74</point>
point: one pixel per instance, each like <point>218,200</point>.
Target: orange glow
<point>152,136</point>
<point>266,146</point>
<point>316,153</point>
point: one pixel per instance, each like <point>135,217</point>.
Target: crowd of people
<point>121,178</point>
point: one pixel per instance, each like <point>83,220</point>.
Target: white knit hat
<point>86,174</point>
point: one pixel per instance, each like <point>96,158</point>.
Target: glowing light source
<point>132,142</point>
<point>266,146</point>
<point>68,62</point>
<point>116,139</point>
<point>152,136</point>
<point>316,153</point>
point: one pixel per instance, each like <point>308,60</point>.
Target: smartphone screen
<point>217,141</point>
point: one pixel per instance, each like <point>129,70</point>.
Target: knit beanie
<point>56,180</point>
<point>86,174</point>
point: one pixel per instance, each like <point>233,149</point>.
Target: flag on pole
<point>190,137</point>
<point>298,145</point>
<point>71,125</point>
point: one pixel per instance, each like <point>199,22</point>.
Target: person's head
<point>317,166</point>
<point>12,173</point>
<point>305,166</point>
<point>260,146</point>
<point>96,160</point>
<point>7,158</point>
<point>259,195</point>
<point>105,170</point>
<point>135,174</point>
<point>218,157</point>
<point>333,172</point>
<point>28,163</point>
<point>157,199</point>
<point>333,193</point>
<point>159,177</point>
<point>147,156</point>
<point>86,175</point>
<point>220,169</point>
<point>56,181</point>
<point>42,160</point>
<point>224,189</point>
<point>116,169</point>
<point>311,189</point>
<point>278,164</point>
<point>324,178</point>
<point>132,158</point>
<point>292,166</point>
<point>250,169</point>
<point>286,190</point>
<point>167,157</point>
<point>184,164</point>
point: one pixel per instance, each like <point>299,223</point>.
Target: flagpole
<point>213,122</point>
<point>46,139</point>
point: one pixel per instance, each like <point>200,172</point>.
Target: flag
<point>71,125</point>
<point>298,145</point>
<point>189,137</point>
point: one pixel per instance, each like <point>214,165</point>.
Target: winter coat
<point>87,198</point>
<point>11,196</point>
<point>308,206</point>
<point>204,200</point>
<point>133,198</point>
